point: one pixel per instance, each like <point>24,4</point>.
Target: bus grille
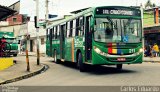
<point>115,60</point>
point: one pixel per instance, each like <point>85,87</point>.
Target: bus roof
<point>80,12</point>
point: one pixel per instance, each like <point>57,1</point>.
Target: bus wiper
<point>128,22</point>
<point>111,21</point>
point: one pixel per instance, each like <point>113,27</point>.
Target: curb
<point>45,67</point>
<point>152,61</point>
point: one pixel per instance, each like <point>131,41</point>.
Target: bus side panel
<point>47,48</point>
<point>79,45</point>
<point>68,49</point>
<point>58,49</point>
<point>56,46</point>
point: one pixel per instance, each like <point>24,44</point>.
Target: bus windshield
<point>118,30</point>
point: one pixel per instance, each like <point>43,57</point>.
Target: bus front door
<point>88,39</point>
<point>62,41</point>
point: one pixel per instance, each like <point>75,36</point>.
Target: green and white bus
<point>106,35</point>
<point>9,36</point>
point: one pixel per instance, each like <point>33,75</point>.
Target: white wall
<point>17,29</point>
<point>4,23</point>
<point>21,30</point>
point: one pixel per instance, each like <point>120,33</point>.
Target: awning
<point>5,12</point>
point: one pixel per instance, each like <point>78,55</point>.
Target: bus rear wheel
<point>80,63</point>
<point>119,66</point>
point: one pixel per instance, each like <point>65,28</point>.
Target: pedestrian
<point>155,50</point>
<point>2,40</point>
<point>147,51</point>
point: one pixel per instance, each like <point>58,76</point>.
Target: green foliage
<point>148,19</point>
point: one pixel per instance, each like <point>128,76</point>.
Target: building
<point>152,26</point>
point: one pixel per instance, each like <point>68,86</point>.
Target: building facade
<point>152,26</point>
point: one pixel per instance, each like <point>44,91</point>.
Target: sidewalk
<point>153,59</point>
<point>31,54</point>
<point>19,71</point>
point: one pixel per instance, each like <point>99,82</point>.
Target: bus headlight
<point>97,50</point>
<point>140,50</point>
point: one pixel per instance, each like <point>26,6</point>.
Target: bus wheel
<point>14,55</point>
<point>55,57</point>
<point>80,63</point>
<point>119,66</point>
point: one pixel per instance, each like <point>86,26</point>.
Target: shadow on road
<point>98,69</point>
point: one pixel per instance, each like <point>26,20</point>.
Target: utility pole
<point>46,17</point>
<point>27,57</point>
<point>37,31</point>
<point>46,20</point>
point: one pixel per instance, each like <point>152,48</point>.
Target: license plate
<point>121,59</point>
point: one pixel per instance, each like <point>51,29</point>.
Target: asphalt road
<point>66,74</point>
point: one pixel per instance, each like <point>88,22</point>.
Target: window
<point>71,28</point>
<point>58,34</point>
<point>118,30</point>
<point>74,26</point>
<point>81,26</point>
<point>42,41</point>
<point>50,34</point>
<point>53,35</point>
<point>68,29</point>
<point>55,29</point>
<point>14,19</point>
<point>77,27</point>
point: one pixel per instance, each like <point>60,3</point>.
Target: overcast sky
<point>63,7</point>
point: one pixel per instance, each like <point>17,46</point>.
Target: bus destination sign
<point>116,11</point>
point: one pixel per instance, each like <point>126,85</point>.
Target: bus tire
<point>6,48</point>
<point>119,66</point>
<point>80,64</point>
<point>14,55</point>
<point>55,57</point>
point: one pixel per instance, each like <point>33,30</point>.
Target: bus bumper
<point>13,52</point>
<point>98,59</point>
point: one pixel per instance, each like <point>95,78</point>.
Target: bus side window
<point>58,34</point>
<point>71,29</point>
<point>65,29</point>
<point>53,35</point>
<point>77,27</point>
<point>47,34</point>
<point>81,27</point>
<point>68,28</point>
<point>50,34</point>
<point>74,26</point>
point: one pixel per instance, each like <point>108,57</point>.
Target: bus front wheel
<point>119,66</point>
<point>80,63</point>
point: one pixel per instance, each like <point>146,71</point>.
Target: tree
<point>154,5</point>
<point>148,5</point>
